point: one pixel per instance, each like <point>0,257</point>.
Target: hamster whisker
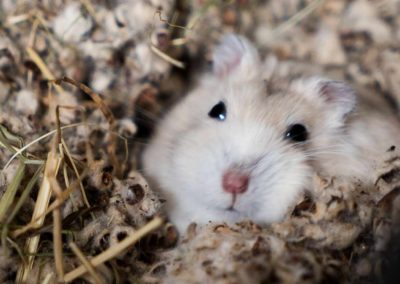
<point>329,151</point>
<point>141,142</point>
<point>316,154</point>
<point>324,151</point>
<point>153,118</point>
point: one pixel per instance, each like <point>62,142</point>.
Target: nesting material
<point>142,56</point>
<point>26,102</point>
<point>328,50</point>
<point>72,25</point>
<point>362,16</point>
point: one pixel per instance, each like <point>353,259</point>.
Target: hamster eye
<point>297,133</point>
<point>218,111</point>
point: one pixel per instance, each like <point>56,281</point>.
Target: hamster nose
<point>235,181</point>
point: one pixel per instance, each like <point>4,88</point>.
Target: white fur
<point>190,152</point>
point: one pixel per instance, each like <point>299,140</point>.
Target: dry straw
<point>116,249</point>
<point>52,165</point>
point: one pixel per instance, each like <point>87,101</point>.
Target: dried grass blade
<point>93,95</point>
<point>57,226</point>
<point>43,67</point>
<point>172,25</point>
<point>296,18</point>
<point>21,201</point>
<point>36,141</point>
<point>6,137</point>
<point>25,193</point>
<point>85,200</point>
<point>18,249</point>
<point>52,165</point>
<point>57,243</point>
<point>56,203</point>
<point>167,58</point>
<point>89,7</point>
<point>7,140</point>
<point>116,249</point>
<point>13,20</point>
<point>85,262</point>
<point>112,145</point>
<point>8,197</point>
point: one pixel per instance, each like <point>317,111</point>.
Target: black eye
<point>297,133</point>
<point>218,111</point>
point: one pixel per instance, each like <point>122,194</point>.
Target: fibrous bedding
<point>142,56</point>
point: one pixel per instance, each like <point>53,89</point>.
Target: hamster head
<point>231,151</point>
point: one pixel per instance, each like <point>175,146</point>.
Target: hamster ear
<point>236,56</point>
<point>338,96</point>
<point>342,95</point>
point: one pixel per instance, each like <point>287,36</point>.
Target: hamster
<point>233,150</point>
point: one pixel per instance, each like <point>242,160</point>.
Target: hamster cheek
<point>283,189</point>
<point>197,170</point>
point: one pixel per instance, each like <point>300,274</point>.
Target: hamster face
<point>232,151</point>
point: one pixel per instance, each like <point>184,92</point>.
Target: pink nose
<point>235,181</point>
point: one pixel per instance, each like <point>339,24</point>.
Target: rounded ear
<point>236,57</point>
<point>339,93</point>
<point>336,96</point>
